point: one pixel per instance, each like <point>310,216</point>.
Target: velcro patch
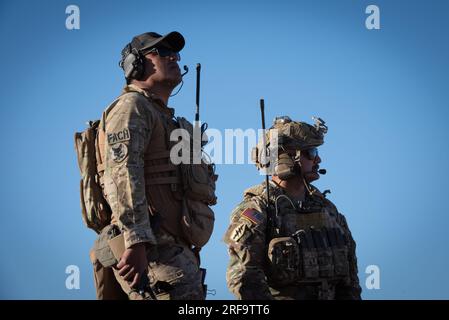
<point>119,152</point>
<point>238,232</point>
<point>119,136</point>
<point>252,215</point>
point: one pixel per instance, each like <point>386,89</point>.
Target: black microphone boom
<point>182,81</point>
<point>322,171</point>
<point>186,69</point>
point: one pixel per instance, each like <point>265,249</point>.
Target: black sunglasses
<point>311,153</point>
<point>165,52</point>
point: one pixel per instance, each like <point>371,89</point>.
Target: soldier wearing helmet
<point>293,243</point>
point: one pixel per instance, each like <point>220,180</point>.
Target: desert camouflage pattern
<point>297,134</point>
<point>308,253</point>
<point>144,191</point>
<point>173,272</point>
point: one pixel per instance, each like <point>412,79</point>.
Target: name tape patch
<point>119,136</point>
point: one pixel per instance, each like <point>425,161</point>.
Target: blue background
<point>384,94</point>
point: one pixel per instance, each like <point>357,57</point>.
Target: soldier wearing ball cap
<point>149,196</point>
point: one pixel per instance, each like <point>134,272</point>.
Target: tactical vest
<point>311,246</point>
<point>168,186</point>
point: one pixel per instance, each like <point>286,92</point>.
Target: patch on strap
<point>252,215</point>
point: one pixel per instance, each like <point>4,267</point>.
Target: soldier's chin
<point>311,176</point>
<point>176,76</point>
<point>174,81</point>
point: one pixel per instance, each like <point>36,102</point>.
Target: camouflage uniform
<point>143,189</point>
<point>133,188</point>
<point>304,251</point>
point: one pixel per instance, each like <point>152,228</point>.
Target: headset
<point>132,63</point>
<point>285,166</point>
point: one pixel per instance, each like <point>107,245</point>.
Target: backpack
<point>95,210</point>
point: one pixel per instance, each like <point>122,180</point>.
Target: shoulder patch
<point>252,215</point>
<point>119,136</point>
<point>238,232</point>
<point>118,152</point>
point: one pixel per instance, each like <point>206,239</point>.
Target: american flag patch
<point>252,215</point>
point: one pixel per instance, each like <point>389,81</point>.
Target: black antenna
<point>198,71</point>
<point>262,111</point>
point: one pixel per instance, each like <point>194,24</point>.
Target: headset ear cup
<point>285,167</point>
<point>139,65</point>
<point>133,65</point>
<point>128,65</point>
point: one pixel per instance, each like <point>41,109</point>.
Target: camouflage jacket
<point>268,262</point>
<point>135,130</point>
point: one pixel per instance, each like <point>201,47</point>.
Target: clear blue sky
<point>384,94</point>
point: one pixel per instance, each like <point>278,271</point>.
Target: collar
<point>311,202</point>
<point>152,97</point>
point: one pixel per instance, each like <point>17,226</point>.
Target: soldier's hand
<point>133,264</point>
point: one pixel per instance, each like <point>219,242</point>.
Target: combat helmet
<point>291,134</point>
<point>298,135</point>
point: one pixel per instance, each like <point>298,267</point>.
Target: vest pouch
<point>283,254</point>
<point>102,249</point>
<point>309,268</point>
<point>325,263</point>
<point>198,178</point>
<point>340,252</point>
<point>199,182</point>
<point>197,222</point>
<point>324,253</point>
<point>341,265</point>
